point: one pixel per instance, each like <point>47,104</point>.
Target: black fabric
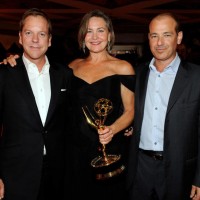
<point>150,178</point>
<point>84,143</point>
<point>128,81</point>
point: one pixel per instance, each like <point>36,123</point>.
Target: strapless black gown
<point>83,143</point>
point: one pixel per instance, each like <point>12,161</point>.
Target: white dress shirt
<point>41,87</point>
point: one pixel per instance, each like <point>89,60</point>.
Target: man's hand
<point>1,189</point>
<point>11,60</point>
<point>195,193</point>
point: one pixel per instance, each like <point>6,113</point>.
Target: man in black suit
<point>34,110</point>
<point>164,159</point>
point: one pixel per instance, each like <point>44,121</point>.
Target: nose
<point>35,38</point>
<point>160,40</point>
<point>94,35</point>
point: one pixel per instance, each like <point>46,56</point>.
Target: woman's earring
<point>108,47</point>
<point>83,46</point>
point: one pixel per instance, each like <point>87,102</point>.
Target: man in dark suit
<point>164,157</point>
<point>33,112</point>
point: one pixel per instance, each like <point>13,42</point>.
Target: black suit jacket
<point>24,136</point>
<point>181,130</point>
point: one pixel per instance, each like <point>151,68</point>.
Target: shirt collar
<point>31,67</point>
<point>173,65</point>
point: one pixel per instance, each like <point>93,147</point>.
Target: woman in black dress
<point>99,75</point>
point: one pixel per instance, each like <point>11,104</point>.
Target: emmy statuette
<point>105,165</point>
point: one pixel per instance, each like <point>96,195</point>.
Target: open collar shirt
<point>40,84</point>
<point>157,96</point>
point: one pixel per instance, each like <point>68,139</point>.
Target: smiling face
<point>35,38</point>
<point>97,35</point>
<point>163,38</point>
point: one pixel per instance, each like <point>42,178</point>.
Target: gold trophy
<point>105,165</point>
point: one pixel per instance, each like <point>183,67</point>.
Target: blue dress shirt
<point>157,96</point>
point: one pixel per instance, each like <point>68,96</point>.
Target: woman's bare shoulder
<point>122,67</point>
<point>75,62</point>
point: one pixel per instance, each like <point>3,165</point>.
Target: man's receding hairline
<point>163,15</point>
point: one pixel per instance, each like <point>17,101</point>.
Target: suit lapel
<point>20,77</point>
<point>55,78</point>
<point>179,85</point>
<point>143,81</point>
<point>22,82</point>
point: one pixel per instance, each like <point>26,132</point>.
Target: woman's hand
<point>105,134</point>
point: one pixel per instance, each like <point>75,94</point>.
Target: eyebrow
<point>167,32</point>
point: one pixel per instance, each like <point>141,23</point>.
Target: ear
<point>50,37</point>
<point>180,37</point>
<point>20,38</point>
